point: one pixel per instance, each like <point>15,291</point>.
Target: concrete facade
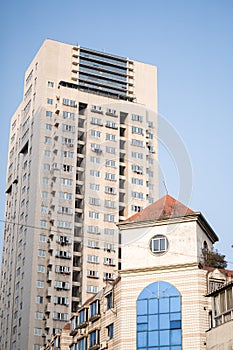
<point>82,156</point>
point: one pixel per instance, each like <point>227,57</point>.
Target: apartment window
<point>41,268</point>
<point>92,244</point>
<point>110,204</point>
<point>45,180</point>
<point>95,160</point>
<point>67,182</point>
<point>110,124</point>
<point>68,115</point>
<point>158,244</point>
<point>110,330</point>
<point>110,190</point>
<point>137,130</point>
<point>67,168</point>
<point>94,201</point>
<point>67,141</point>
<point>48,126</point>
<point>109,247</point>
<point>65,210</point>
<point>137,155</point>
<point>49,101</point>
<point>137,117</point>
<point>93,229</point>
<point>67,127</point>
<point>43,223</point>
<point>38,315</point>
<point>93,259</point>
<point>92,289</point>
<point>64,224</point>
<point>67,154</point>
<point>68,102</point>
<point>107,276</point>
<point>47,153</point>
<point>61,285</point>
<point>136,208</point>
<point>95,133</point>
<point>39,299</point>
<point>137,169</point>
<point>40,284</point>
<point>109,176</point>
<point>109,217</point>
<point>95,173</point>
<point>137,195</point>
<point>110,137</point>
<point>95,187</point>
<point>95,147</point>
<point>92,273</point>
<point>44,194</point>
<point>95,308</point>
<point>46,167</point>
<point>96,121</point>
<point>42,238</point>
<point>60,316</point>
<point>109,301</point>
<point>137,143</point>
<point>62,269</point>
<point>95,108</point>
<point>49,114</point>
<point>61,300</point>
<point>111,150</point>
<point>109,261</point>
<point>109,231</point>
<point>136,181</point>
<point>93,215</point>
<point>111,163</point>
<point>65,195</point>
<point>38,331</point>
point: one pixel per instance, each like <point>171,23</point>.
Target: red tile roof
<point>165,207</point>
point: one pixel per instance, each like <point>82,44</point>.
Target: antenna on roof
<point>165,187</point>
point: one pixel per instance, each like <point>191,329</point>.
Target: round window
<point>158,244</point>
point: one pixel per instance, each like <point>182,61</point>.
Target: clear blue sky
<point>191,42</point>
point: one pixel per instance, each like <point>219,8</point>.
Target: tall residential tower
<point>82,157</point>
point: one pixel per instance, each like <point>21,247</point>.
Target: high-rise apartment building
<point>82,157</point>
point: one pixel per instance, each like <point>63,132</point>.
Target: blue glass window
<point>159,318</point>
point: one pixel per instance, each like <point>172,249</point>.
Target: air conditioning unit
<point>104,345</point>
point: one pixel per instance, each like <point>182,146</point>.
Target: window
<point>39,299</point>
<point>158,244</point>
<point>39,315</point>
<point>47,153</point>
<point>48,126</point>
<point>108,276</point>
<point>40,284</point>
<point>68,115</point>
<point>110,162</point>
<point>109,301</point>
<point>93,259</point>
<point>92,244</point>
<point>137,169</point>
<point>137,143</point>
<point>37,331</point>
<point>92,289</point>
<point>110,176</point>
<point>67,182</point>
<point>97,109</point>
<point>92,273</point>
<point>60,316</point>
<point>49,101</point>
<point>136,181</point>
<point>49,114</point>
<point>42,238</point>
<point>109,217</point>
<point>136,130</point>
<point>68,102</point>
<point>61,300</point>
<point>137,155</point>
<point>41,268</point>
<point>45,180</point>
<point>109,231</point>
<point>67,154</point>
<point>95,308</point>
<point>96,121</point>
<point>46,166</point>
<point>41,253</point>
<point>67,141</point>
<point>93,215</point>
<point>159,317</point>
<point>95,187</point>
<point>61,285</point>
<point>50,84</point>
<point>64,224</point>
<point>67,127</point>
<point>65,210</point>
<point>95,160</point>
<point>110,137</point>
<point>137,117</point>
<point>110,330</point>
<point>137,195</point>
<point>65,195</point>
<point>95,173</point>
<point>94,201</point>
<point>93,229</point>
<point>95,133</point>
<point>110,124</point>
<point>110,204</point>
<point>62,269</point>
<point>67,168</point>
<point>109,261</point>
<point>110,190</point>
<point>111,150</point>
<point>43,223</point>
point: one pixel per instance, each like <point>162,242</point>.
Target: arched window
<point>159,318</point>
